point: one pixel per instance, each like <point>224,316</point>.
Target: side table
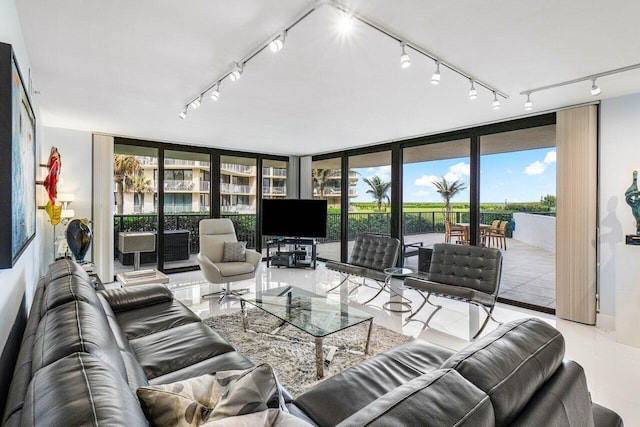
<point>399,272</point>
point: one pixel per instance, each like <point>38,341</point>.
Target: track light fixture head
<point>237,72</point>
<point>496,102</point>
<point>277,44</point>
<point>595,89</point>
<point>196,102</point>
<point>183,113</point>
<point>215,93</point>
<point>345,22</point>
<point>435,78</point>
<point>405,60</point>
<point>528,106</point>
<point>473,93</point>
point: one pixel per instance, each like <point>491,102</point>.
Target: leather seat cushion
<point>346,268</point>
<point>511,363</point>
<point>335,398</point>
<point>223,362</point>
<point>228,269</point>
<point>450,290</point>
<point>76,327</point>
<point>80,389</point>
<point>143,321</point>
<point>177,348</point>
<point>443,397</point>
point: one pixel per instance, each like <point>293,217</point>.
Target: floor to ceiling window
<point>326,177</point>
<point>238,195</point>
<point>135,171</point>
<point>186,202</point>
<point>435,187</point>
<point>370,201</point>
<point>518,198</point>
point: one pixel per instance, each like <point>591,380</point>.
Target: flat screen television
<point>294,217</point>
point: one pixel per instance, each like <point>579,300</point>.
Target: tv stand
<point>292,253</point>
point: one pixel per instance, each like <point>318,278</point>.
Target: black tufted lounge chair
<point>465,273</point>
<point>370,255</point>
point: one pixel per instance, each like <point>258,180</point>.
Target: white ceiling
<point>128,67</point>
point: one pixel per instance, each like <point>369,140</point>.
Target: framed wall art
<point>17,161</point>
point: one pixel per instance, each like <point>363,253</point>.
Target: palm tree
<point>124,167</point>
<point>140,184</point>
<point>378,189</point>
<point>321,177</point>
<point>448,191</point>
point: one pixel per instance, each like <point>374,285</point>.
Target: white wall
<point>76,172</point>
<point>21,279</point>
<point>619,157</point>
<point>536,230</point>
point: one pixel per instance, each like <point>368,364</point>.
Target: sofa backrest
<point>474,267</point>
<point>80,389</point>
<point>374,251</point>
<point>440,398</point>
<point>511,363</point>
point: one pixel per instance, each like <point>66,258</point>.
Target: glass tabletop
<point>398,271</point>
<point>311,313</point>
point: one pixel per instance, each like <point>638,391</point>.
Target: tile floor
<point>611,368</point>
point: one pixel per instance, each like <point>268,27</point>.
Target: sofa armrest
<point>123,299</point>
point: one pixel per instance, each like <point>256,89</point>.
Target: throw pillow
<point>234,252</point>
<point>255,390</point>
<point>183,403</point>
<point>194,401</point>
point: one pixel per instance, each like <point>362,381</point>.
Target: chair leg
<point>376,295</point>
<point>339,284</point>
<point>486,320</point>
<point>426,300</point>
<point>225,292</point>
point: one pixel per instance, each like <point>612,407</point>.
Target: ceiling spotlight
<point>595,89</point>
<point>236,73</point>
<point>435,78</point>
<point>196,102</point>
<point>473,93</point>
<point>405,60</point>
<point>277,44</point>
<point>215,93</point>
<point>528,106</point>
<point>345,22</point>
<point>183,114</point>
<point>496,103</point>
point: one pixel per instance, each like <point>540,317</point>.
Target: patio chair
<point>499,236</point>
<point>370,255</point>
<point>453,231</point>
<point>465,273</point>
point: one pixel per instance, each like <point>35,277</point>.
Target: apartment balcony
<point>178,185</point>
<point>148,161</point>
<point>239,209</point>
<point>238,169</point>
<point>204,186</point>
<point>274,172</point>
<point>274,191</point>
<point>226,188</point>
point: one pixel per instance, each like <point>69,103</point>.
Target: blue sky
<point>521,176</point>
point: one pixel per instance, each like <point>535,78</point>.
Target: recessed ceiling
<point>128,67</point>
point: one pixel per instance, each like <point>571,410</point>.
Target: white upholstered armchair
<point>222,258</point>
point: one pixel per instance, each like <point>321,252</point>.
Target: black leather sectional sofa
<point>84,353</point>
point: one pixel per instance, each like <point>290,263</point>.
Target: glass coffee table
<point>309,312</point>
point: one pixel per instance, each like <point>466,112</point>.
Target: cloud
<point>426,181</point>
<point>550,157</point>
<point>422,193</point>
<point>535,168</point>
<point>461,168</point>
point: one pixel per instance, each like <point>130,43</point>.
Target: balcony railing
<point>274,190</point>
<point>278,172</point>
<point>204,186</point>
<point>232,167</point>
<point>227,188</point>
<point>178,185</point>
